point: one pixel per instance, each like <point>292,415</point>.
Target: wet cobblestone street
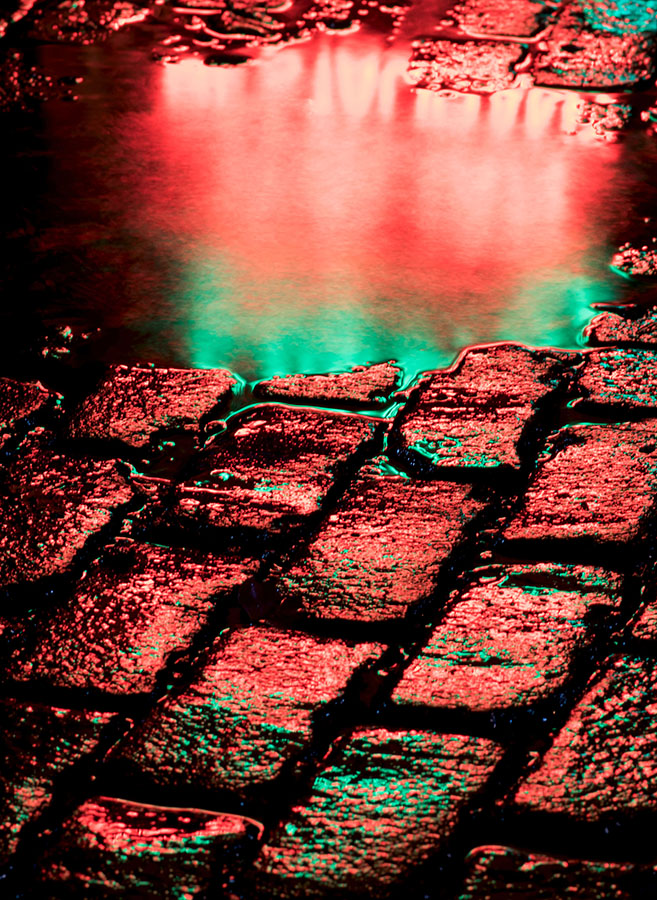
<point>381,631</point>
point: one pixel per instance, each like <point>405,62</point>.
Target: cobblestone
<point>611,328</point>
<point>623,378</point>
<point>362,386</point>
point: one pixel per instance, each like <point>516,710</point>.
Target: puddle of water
<point>312,211</point>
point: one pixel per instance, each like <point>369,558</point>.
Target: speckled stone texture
<point>601,764</point>
<point>472,66</point>
<point>645,626</point>
<point>361,386</point>
<point>115,848</point>
<point>476,415</point>
<point>509,640</point>
<point>272,468</point>
<point>382,549</point>
<point>39,746</point>
<point>19,403</point>
<point>624,378</point>
<point>597,486</point>
<point>496,872</point>
<point>386,802</point>
<point>636,261</point>
<point>581,55</point>
<point>128,613</point>
<point>133,404</point>
<point>249,710</point>
<point>610,328</point>
<point>52,505</point>
<point>500,17</point>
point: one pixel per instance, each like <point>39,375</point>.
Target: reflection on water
<point>312,212</point>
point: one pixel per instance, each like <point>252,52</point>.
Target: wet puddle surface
<point>309,209</point>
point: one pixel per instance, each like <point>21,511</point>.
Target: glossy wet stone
<point>94,21</point>
<point>361,386</point>
<point>52,506</point>
<point>39,745</point>
<point>248,712</point>
<point>131,610</point>
<point>382,549</point>
<point>618,16</point>
<point>132,404</point>
<point>639,262</point>
<point>477,414</point>
<point>272,468</point>
<point>510,639</point>
<point>580,56</point>
<point>115,848</point>
<point>620,378</point>
<point>20,402</point>
<point>610,328</point>
<point>598,486</point>
<point>499,17</point>
<point>496,872</point>
<point>471,66</point>
<point>386,802</point>
<point>601,764</point>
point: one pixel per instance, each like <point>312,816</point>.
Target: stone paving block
<point>38,745</point>
<point>51,506</point>
<point>503,17</point>
<point>509,640</point>
<point>496,872</point>
<point>579,56</point>
<point>602,763</point>
<point>19,402</point>
<point>271,469</point>
<point>248,711</point>
<point>620,378</point>
<point>132,403</point>
<point>474,66</point>
<point>116,848</point>
<point>386,802</point>
<point>383,548</point>
<point>598,486</point>
<point>133,608</point>
<point>610,328</point>
<point>361,386</point>
<point>475,415</point>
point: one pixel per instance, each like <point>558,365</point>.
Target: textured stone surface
<point>624,378</point>
<point>503,17</point>
<point>599,485</point>
<point>382,549</point>
<point>499,872</point>
<point>249,710</point>
<point>387,801</point>
<point>38,745</point>
<point>115,848</point>
<point>51,506</point>
<point>618,16</point>
<point>475,415</point>
<point>610,328</point>
<point>473,66</point>
<point>361,386</point>
<point>577,56</point>
<point>132,404</point>
<point>129,612</point>
<point>273,468</point>
<point>637,262</point>
<point>645,627</point>
<point>509,640</point>
<point>602,763</point>
<point>19,401</point>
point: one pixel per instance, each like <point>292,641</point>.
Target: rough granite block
<point>271,469</point>
<point>509,640</point>
<point>382,549</point>
<point>248,712</point>
<point>132,403</point>
<point>361,386</point>
<point>116,848</point>
<point>476,414</point>
<point>386,802</point>
<point>620,378</point>
<point>602,763</point>
<point>38,745</point>
<point>598,486</point>
<point>128,613</point>
<point>610,328</point>
<point>519,18</point>
<point>481,67</point>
